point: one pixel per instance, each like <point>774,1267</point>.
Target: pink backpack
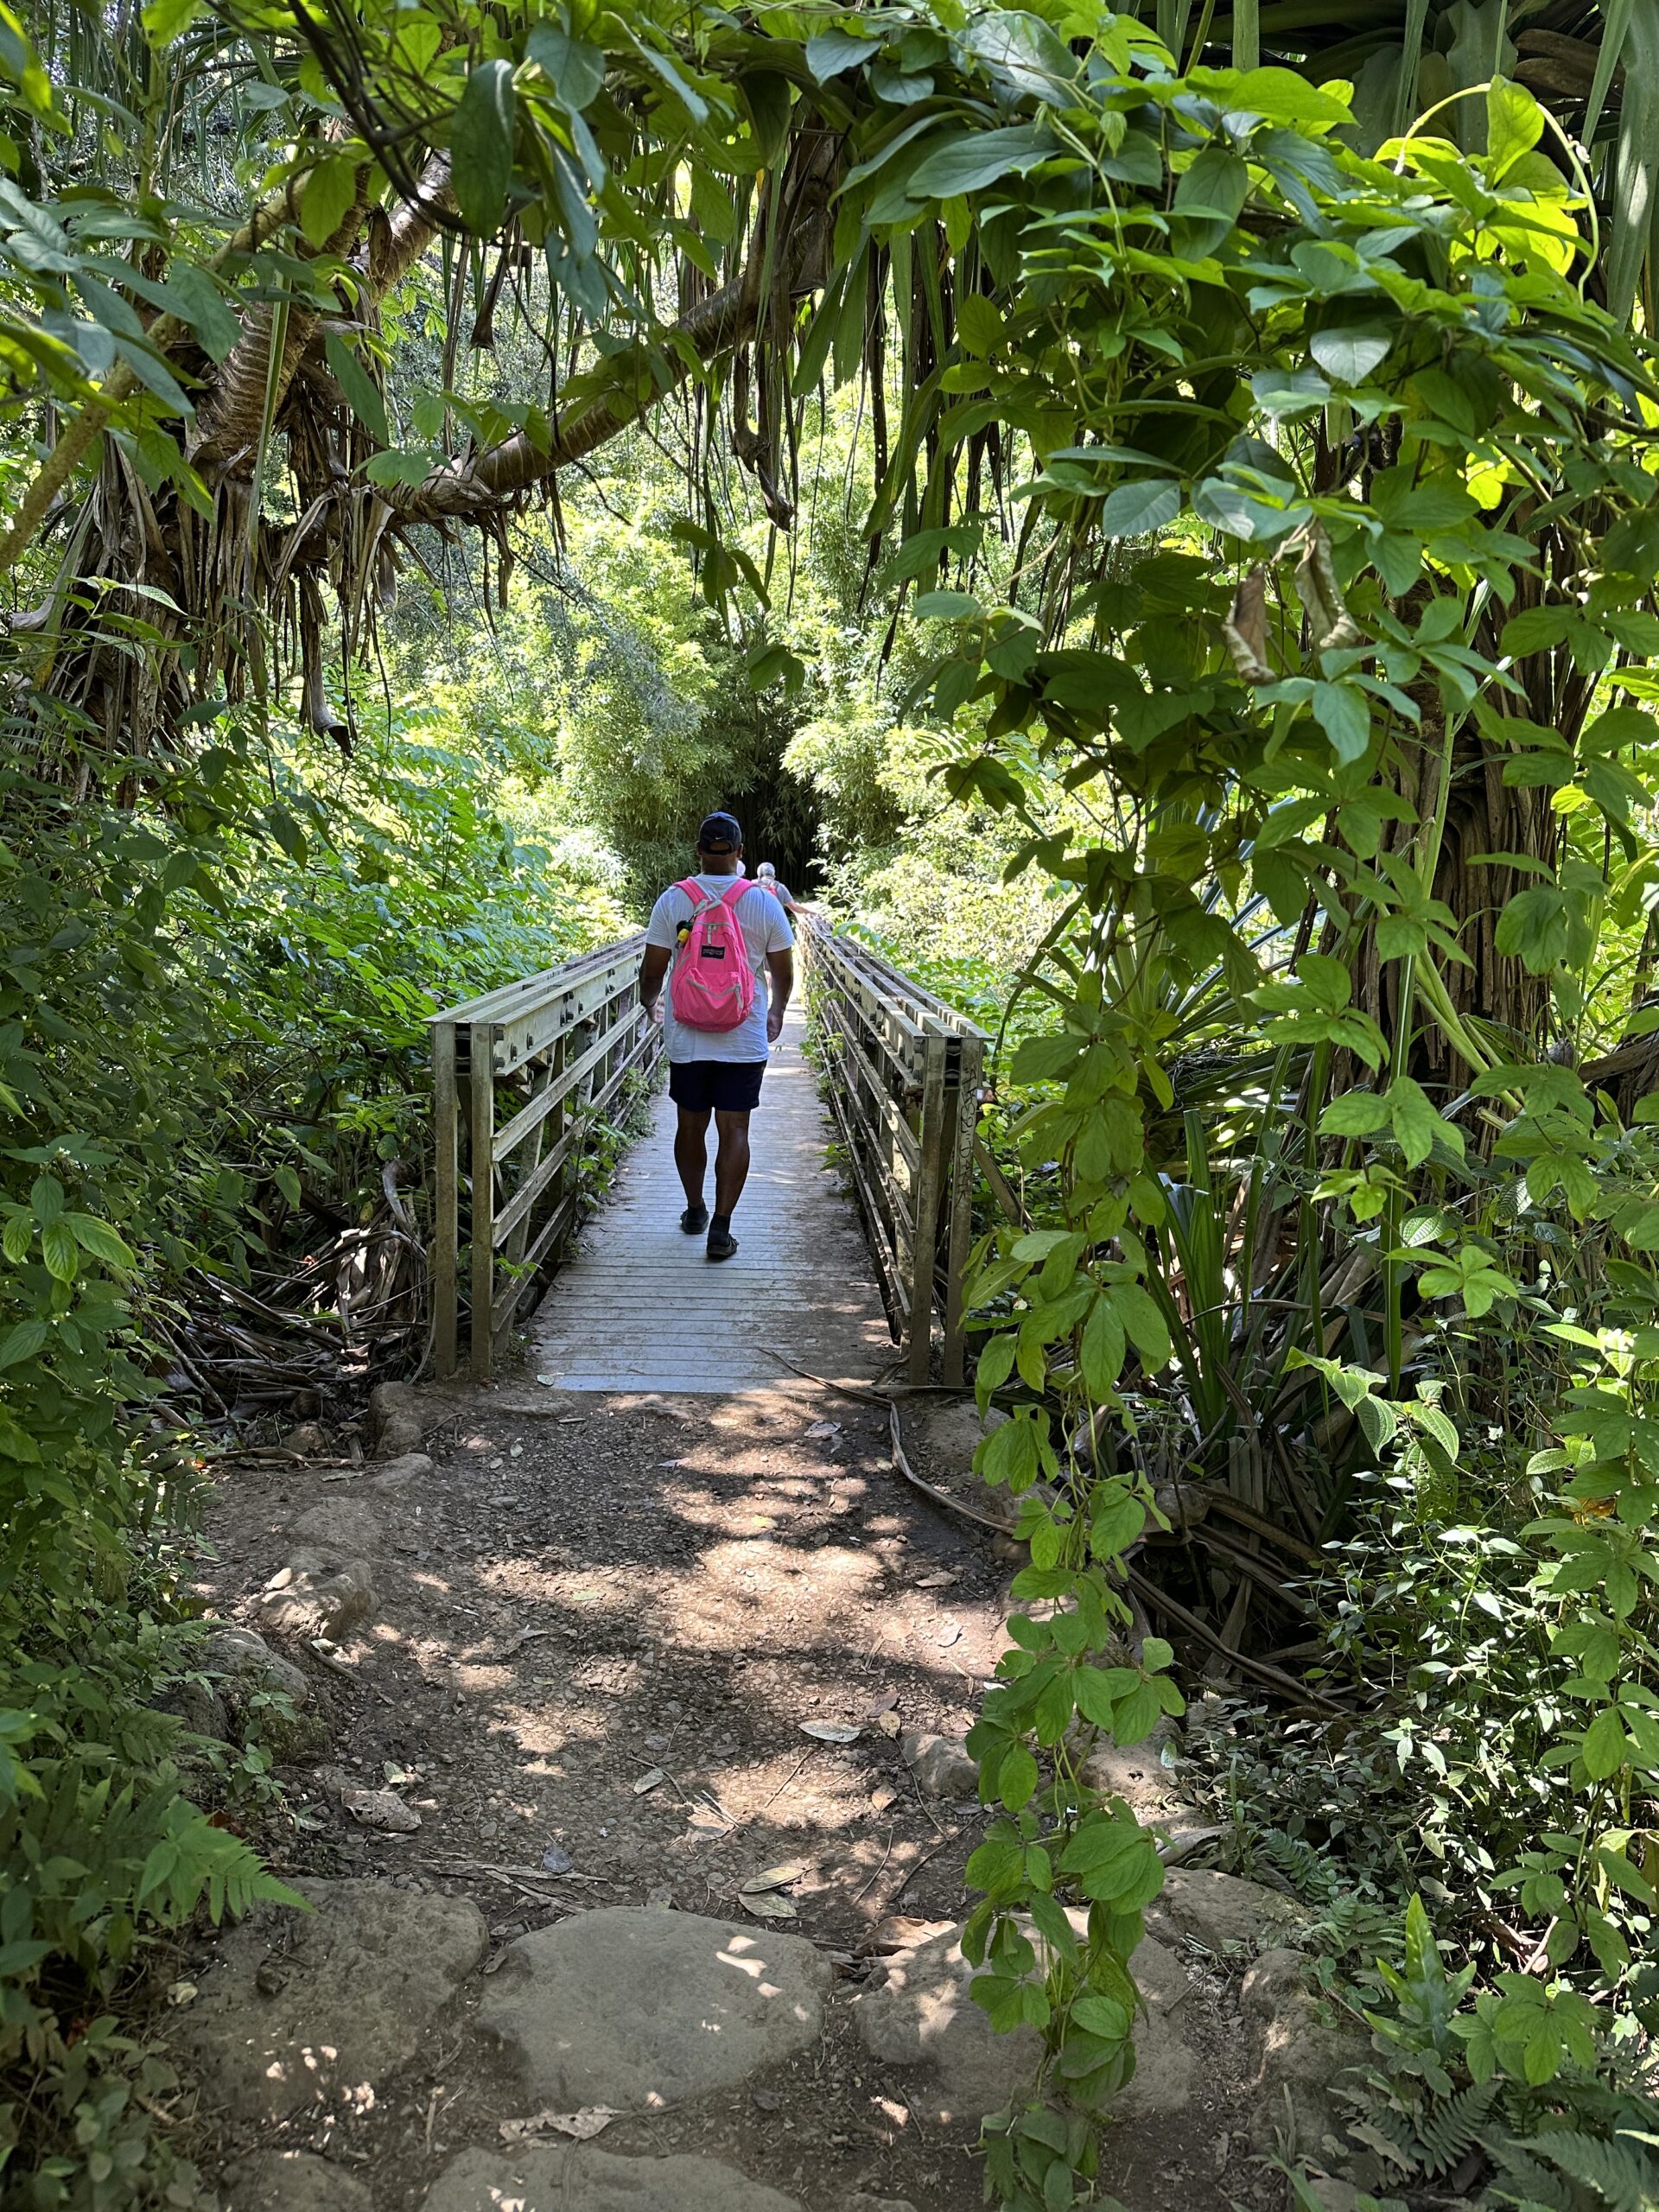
<point>713,984</point>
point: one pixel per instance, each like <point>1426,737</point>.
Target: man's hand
<point>781,969</point>
<point>653,969</point>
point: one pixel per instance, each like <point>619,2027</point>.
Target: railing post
<point>483,1165</point>
<point>959,1221</point>
<point>924,1240</point>
<point>446,1240</point>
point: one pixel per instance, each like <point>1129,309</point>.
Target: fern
<point>1621,2176</point>
<point>1525,2185</point>
<point>1451,2127</point>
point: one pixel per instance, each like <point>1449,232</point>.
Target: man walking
<point>730,947</point>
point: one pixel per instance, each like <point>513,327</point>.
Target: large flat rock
<point>576,2177</point>
<point>1222,1913</point>
<point>637,2010</point>
<point>318,2009</point>
<point>291,2181</point>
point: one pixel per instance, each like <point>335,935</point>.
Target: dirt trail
<point>590,1591</point>
<point>579,1652</point>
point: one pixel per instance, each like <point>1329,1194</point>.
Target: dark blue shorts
<point>716,1086</point>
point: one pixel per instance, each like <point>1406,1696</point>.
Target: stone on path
<point>252,1670</point>
<point>576,2177</point>
<point>291,2181</point>
<point>1221,1911</point>
<point>942,1765</point>
<point>313,1595</point>
<point>925,2015</point>
<point>318,2009</point>
<point>397,1474</point>
<point>250,1665</point>
<point>637,2010</point>
<point>349,1528</point>
<point>394,1410</point>
<point>1306,2046</point>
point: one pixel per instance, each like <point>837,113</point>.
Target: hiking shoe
<point>695,1220</point>
<point>721,1244</point>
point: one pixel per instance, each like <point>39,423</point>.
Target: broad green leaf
<point>829,53</point>
<point>971,159</point>
<point>164,20</point>
<point>359,387</point>
<point>1016,1781</point>
<point>1137,510</point>
<point>21,1341</point>
<point>60,1251</point>
<point>1344,713</point>
<point>205,308</point>
<point>1603,1749</point>
<point>330,189</point>
<point>103,1242</point>
<point>1515,124</point>
<point>571,66</point>
<point>1351,353</point>
<point>480,145</point>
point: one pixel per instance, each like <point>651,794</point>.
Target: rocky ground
<point>632,1810</point>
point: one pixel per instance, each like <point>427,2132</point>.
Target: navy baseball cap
<point>720,833</point>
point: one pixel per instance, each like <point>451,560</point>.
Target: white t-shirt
<point>766,929</point>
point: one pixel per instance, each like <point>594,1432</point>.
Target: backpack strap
<point>729,899</point>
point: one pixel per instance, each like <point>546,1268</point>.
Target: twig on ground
<point>925,1860</point>
<point>784,1783</point>
<point>880,1872</point>
<point>939,1496</point>
<point>861,1390</point>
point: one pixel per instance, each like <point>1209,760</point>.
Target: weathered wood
<point>483,1167</point>
<point>959,1230</point>
<point>446,1169</point>
<point>902,1071</point>
<point>925,1241</point>
<point>576,1032</point>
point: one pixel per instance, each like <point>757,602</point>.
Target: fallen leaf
<point>889,1723</point>
<point>649,1781</point>
<point>180,1992</point>
<point>381,1809</point>
<point>942,1580</point>
<point>824,1428</point>
<point>774,1878</point>
<point>583,2125</point>
<point>882,1798</point>
<point>950,1633</point>
<point>831,1732</point>
<point>766,1905</point>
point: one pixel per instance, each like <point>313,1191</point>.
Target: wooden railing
<point>553,1053</point>
<point>902,1071</point>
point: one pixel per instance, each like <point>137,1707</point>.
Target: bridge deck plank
<point>639,1308</point>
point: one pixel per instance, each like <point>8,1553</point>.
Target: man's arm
<point>653,969</point>
<point>781,968</point>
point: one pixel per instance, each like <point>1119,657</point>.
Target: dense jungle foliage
<point>1153,517</point>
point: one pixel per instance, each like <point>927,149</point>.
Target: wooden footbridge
<point>867,1120</point>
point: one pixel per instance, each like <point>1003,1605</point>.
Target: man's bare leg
<point>731,1172</point>
<point>691,1154</point>
<point>731,1161</point>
